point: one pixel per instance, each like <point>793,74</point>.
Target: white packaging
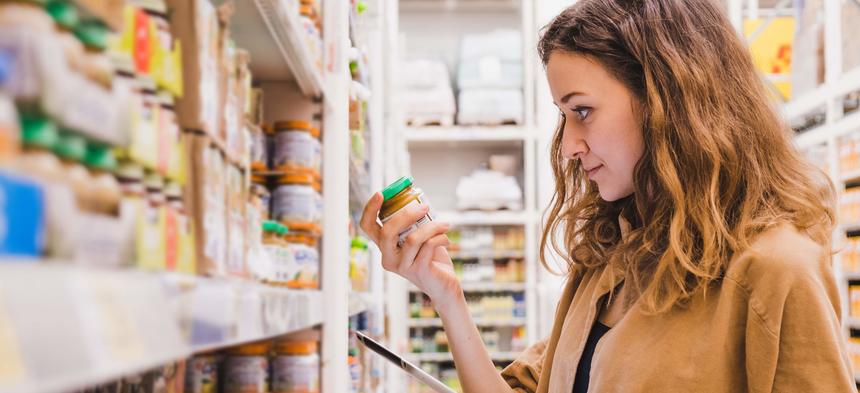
<point>490,72</point>
<point>490,107</point>
<point>426,95</point>
<point>504,44</point>
<point>489,190</point>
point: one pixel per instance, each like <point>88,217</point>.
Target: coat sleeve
<point>794,340</point>
<point>524,373</point>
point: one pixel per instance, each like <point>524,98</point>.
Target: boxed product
<point>850,34</point>
<point>195,23</point>
<point>206,191</point>
<point>807,60</point>
<point>492,59</point>
<point>426,93</point>
<point>490,106</point>
<point>22,215</point>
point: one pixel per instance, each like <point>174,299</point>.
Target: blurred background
<point>180,181</point>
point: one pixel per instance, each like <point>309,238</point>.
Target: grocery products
<point>295,367</point>
<point>297,201</point>
<point>246,369</point>
<point>489,190</point>
<point>23,210</point>
<point>305,271</point>
<point>359,260</point>
<point>399,195</point>
<point>426,93</point>
<point>202,374</point>
<point>294,146</point>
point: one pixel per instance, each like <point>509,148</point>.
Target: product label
<point>305,271</point>
<point>202,376</point>
<point>296,203</point>
<point>246,374</point>
<point>294,149</point>
<point>295,374</point>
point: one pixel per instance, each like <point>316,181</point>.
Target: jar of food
<point>316,163</point>
<point>72,149</point>
<point>293,146</point>
<point>303,273</point>
<point>201,374</point>
<point>297,201</point>
<point>246,369</point>
<point>259,148</point>
<point>398,196</point>
<point>105,191</point>
<point>296,367</point>
<point>279,256</point>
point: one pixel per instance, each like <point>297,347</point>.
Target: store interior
<point>181,182</point>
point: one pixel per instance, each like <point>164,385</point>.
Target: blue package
<point>22,217</point>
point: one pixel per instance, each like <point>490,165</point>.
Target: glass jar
<point>293,146</point>
<point>296,367</point>
<point>398,196</point>
<point>297,201</point>
<point>304,271</point>
<point>246,369</point>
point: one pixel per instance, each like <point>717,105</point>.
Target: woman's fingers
<point>413,243</point>
<point>390,233</point>
<point>430,249</point>
<point>368,218</point>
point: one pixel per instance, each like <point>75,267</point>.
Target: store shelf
<point>448,357</point>
<point>436,322</point>
<point>63,328</point>
<point>850,227</point>
<point>272,34</point>
<point>849,177</point>
<point>358,303</point>
<point>852,322</point>
<point>503,217</point>
<point>452,136</point>
<point>489,254</point>
<point>486,287</point>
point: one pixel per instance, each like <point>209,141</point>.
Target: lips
<point>593,170</point>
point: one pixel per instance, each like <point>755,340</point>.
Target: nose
<point>573,145</point>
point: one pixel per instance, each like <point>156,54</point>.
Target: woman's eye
<point>582,112</point>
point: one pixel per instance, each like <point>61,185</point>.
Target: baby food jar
<point>296,367</point>
<point>201,374</point>
<point>297,201</point>
<point>259,148</point>
<point>293,146</point>
<point>316,163</point>
<point>396,197</point>
<point>246,369</point>
<point>304,271</point>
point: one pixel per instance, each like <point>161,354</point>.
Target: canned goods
<point>201,375</point>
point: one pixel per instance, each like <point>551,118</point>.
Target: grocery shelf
<point>269,25</point>
<point>850,227</point>
<point>502,217</point>
<point>853,322</point>
<point>436,322</point>
<point>488,254</point>
<point>424,136</point>
<point>851,275</point>
<point>486,287</point>
<point>448,357</point>
<point>851,176</point>
<point>808,102</point>
<point>358,303</point>
<point>113,323</point>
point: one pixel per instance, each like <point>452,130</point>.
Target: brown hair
<point>718,168</point>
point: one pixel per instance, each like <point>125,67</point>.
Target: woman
<point>698,241</point>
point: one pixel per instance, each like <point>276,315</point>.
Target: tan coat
<point>771,325</point>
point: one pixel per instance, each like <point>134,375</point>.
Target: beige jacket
<point>771,325</point>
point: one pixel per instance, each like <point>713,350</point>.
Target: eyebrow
<point>568,96</point>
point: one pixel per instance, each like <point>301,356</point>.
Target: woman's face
<point>602,129</point>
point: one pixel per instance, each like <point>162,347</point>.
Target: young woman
<point>698,240</point>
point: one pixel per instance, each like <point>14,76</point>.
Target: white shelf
<point>850,176</point>
<point>851,275</point>
<point>836,129</point>
<point>852,322</point>
<point>80,327</point>
<point>358,303</point>
<point>850,227</point>
<point>445,136</point>
<point>448,357</point>
<point>808,102</point>
<point>436,322</point>
<point>275,39</point>
<point>486,287</point>
<point>502,217</point>
<point>488,254</point>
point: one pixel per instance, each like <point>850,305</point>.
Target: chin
<point>613,195</point>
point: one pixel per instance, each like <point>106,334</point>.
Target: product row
<point>849,255</point>
<point>432,340</point>
<point>489,84</point>
<point>849,207</point>
<point>849,153</point>
<point>489,306</point>
<point>285,365</point>
<point>818,155</point>
<point>491,271</point>
<point>479,240</point>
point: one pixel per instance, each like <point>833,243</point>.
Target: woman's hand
<point>422,258</point>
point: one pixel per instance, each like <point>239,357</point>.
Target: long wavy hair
<point>719,166</point>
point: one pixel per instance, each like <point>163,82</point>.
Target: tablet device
<point>410,368</point>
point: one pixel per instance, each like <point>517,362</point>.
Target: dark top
<point>583,370</point>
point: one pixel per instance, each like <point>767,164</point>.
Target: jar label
<point>246,374</point>
<point>295,374</point>
<point>420,200</point>
<point>293,148</point>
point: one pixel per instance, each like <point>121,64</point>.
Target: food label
<point>246,374</point>
<point>202,375</point>
<point>295,374</point>
<point>293,148</point>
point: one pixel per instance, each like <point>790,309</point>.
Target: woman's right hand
<point>422,258</point>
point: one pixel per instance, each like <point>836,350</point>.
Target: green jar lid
<point>271,226</point>
<point>359,243</point>
<point>38,131</point>
<point>93,34</point>
<point>283,229</point>
<point>395,188</point>
<point>71,147</point>
<point>100,157</point>
<point>64,13</point>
